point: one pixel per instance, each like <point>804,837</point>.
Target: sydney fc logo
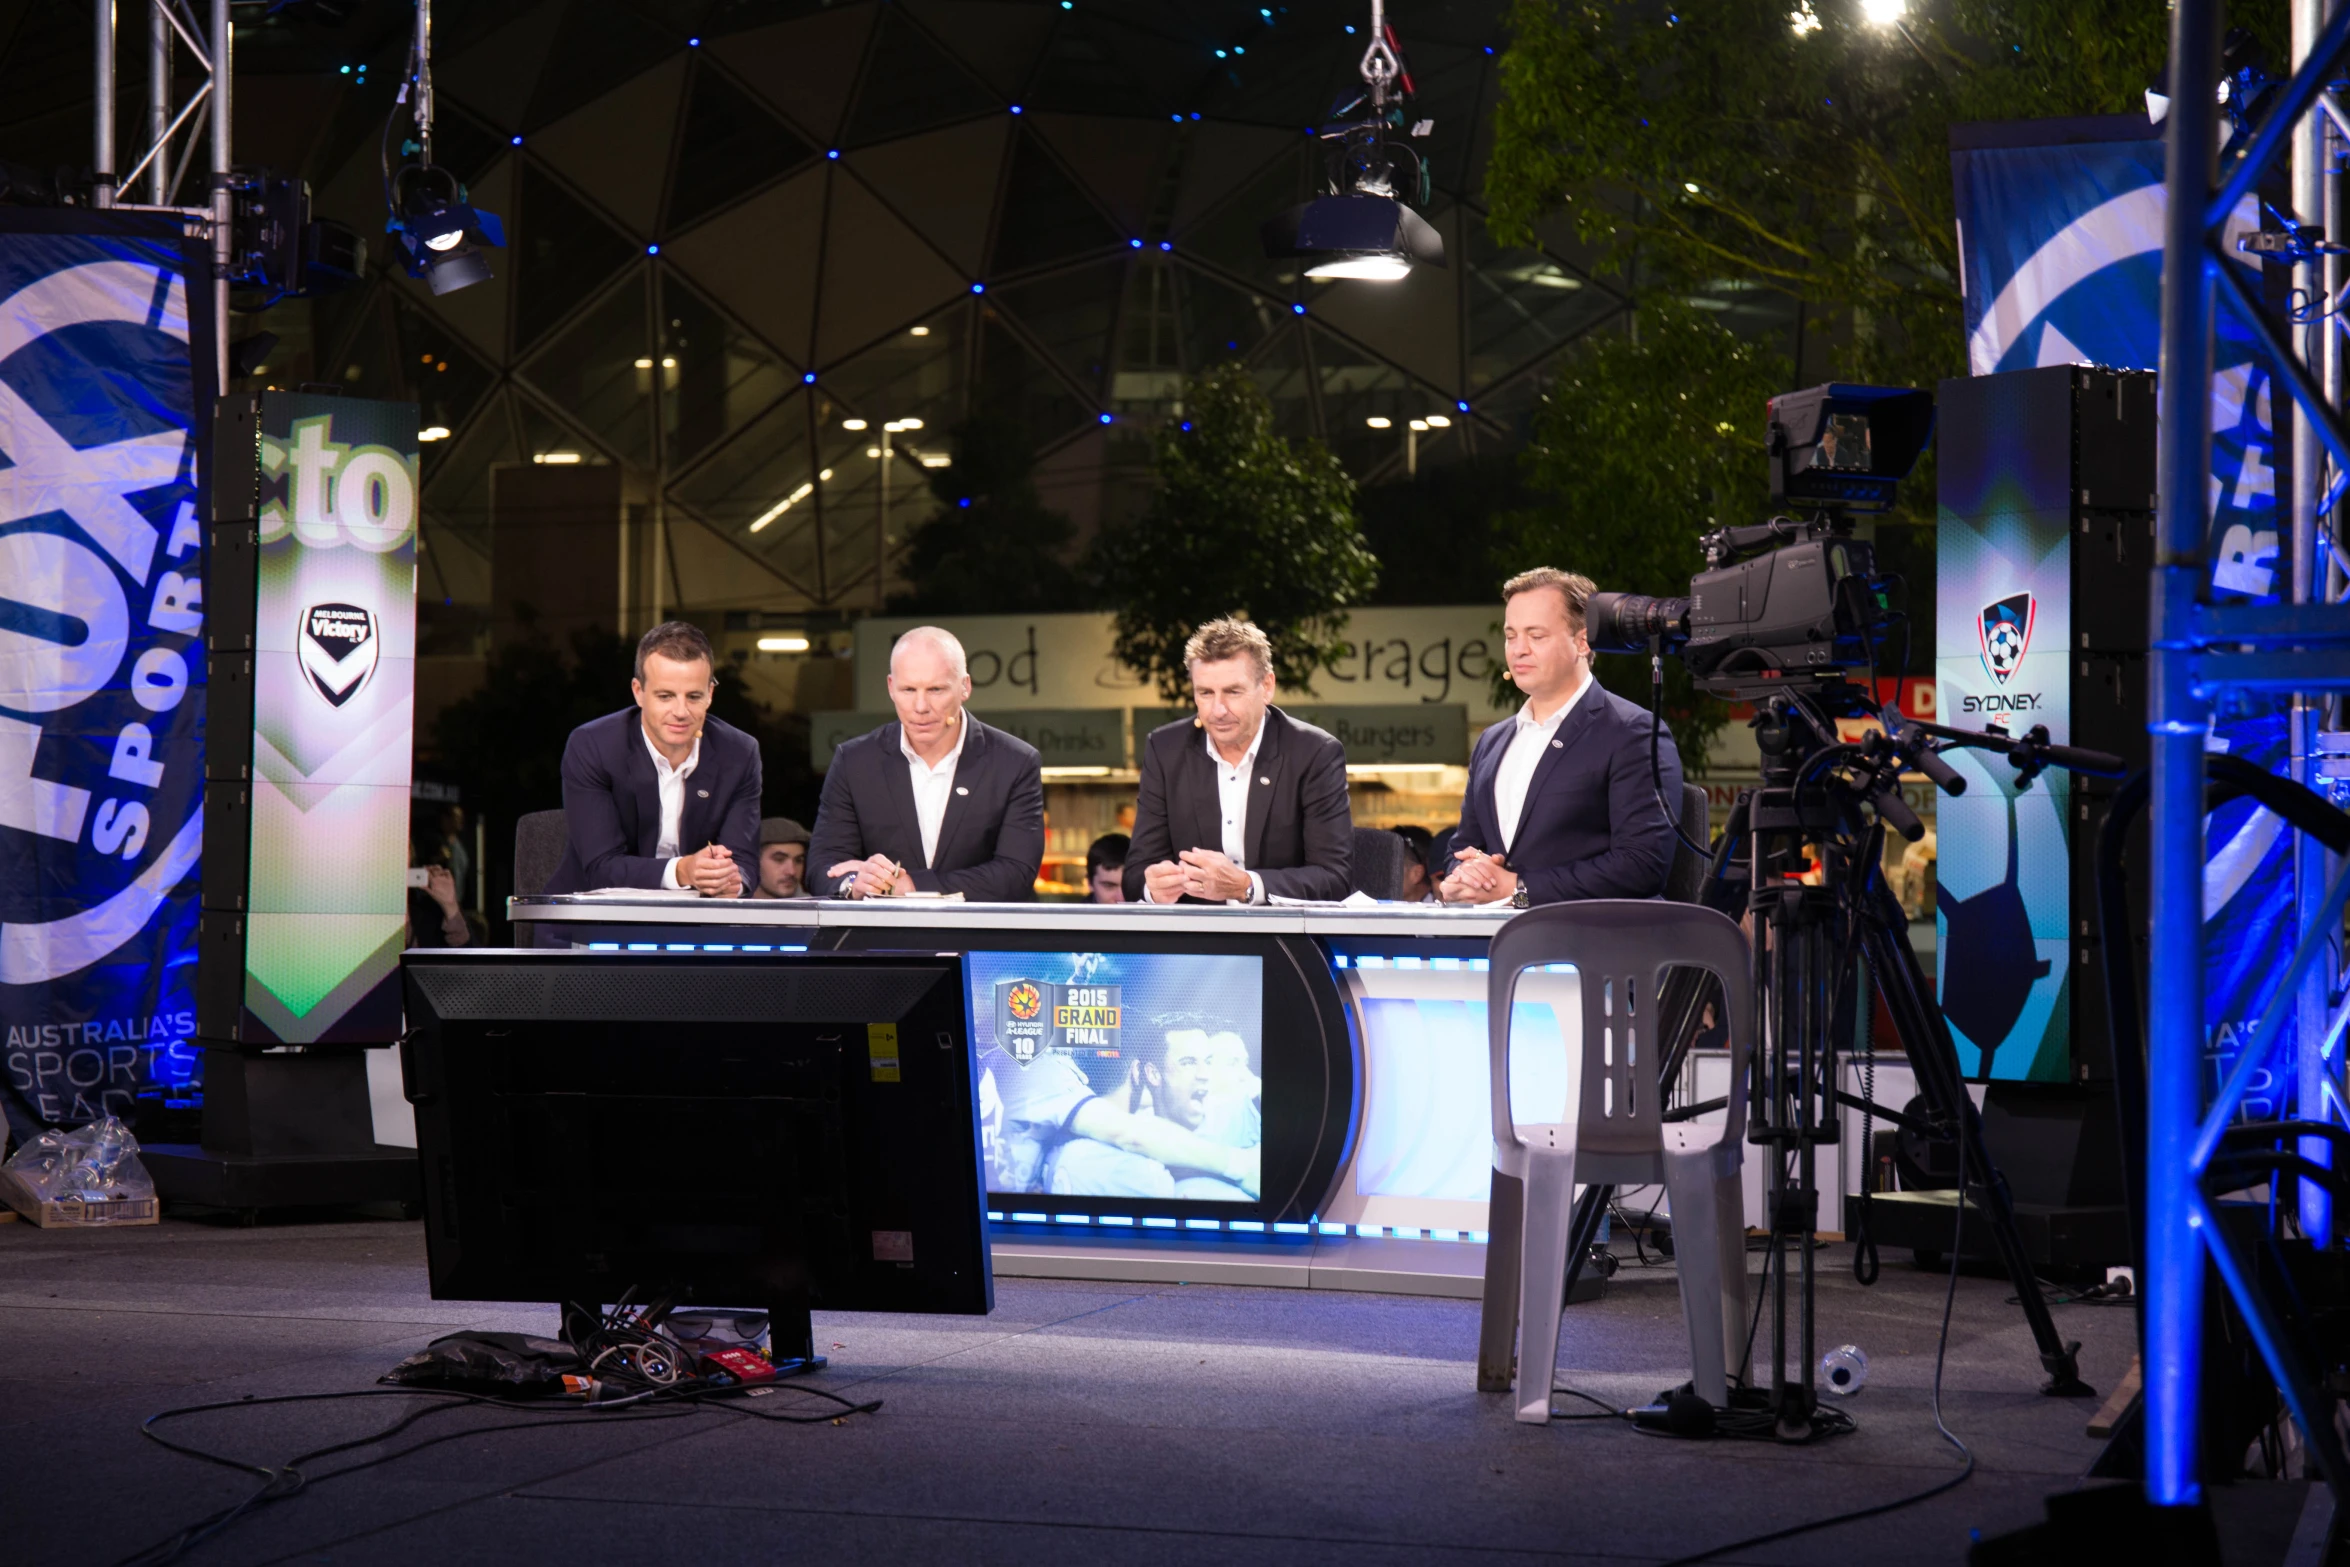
<point>339,650</point>
<point>2006,630</point>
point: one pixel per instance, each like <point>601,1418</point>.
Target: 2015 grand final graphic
<point>1120,1074</point>
<point>102,571</point>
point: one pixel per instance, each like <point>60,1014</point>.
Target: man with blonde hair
<point>1243,802</point>
<point>1561,802</point>
<point>934,802</point>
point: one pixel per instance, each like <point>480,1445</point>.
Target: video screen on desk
<point>1120,1074</point>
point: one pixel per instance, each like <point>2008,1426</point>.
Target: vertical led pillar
<point>306,845</point>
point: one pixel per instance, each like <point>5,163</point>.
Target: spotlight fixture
<point>440,232</point>
<point>433,432</point>
<point>1362,228</point>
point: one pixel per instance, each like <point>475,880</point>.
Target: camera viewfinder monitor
<point>739,1131</point>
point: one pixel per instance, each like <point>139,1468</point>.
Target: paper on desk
<point>1353,900</point>
<point>639,892</point>
<point>935,897</point>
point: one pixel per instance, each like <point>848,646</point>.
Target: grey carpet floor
<point>1081,1423</point>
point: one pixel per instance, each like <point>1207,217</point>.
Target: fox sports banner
<point>2060,243</point>
<point>101,663</point>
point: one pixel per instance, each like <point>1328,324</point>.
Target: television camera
<point>1783,615</point>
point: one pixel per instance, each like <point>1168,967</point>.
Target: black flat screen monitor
<point>745,1131</point>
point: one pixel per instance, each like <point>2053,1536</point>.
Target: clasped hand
<point>711,872</point>
<point>1478,878</point>
<point>878,876</point>
<point>1196,873</point>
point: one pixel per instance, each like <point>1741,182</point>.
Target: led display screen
<point>1120,1074</point>
<point>334,681</point>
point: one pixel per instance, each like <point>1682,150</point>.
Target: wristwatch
<point>848,884</point>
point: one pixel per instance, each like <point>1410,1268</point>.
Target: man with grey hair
<point>1243,802</point>
<point>934,802</point>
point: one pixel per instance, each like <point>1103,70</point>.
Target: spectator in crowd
<point>1105,868</point>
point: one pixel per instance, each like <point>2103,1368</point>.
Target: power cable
<point>1941,1351</point>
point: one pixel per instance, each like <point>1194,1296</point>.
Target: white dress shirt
<point>1232,786</point>
<point>1515,776</point>
<point>933,786</point>
<point>672,784</point>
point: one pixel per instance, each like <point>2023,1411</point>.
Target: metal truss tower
<point>171,137</point>
<point>2202,651</point>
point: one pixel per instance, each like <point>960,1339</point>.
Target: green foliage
<point>1243,523</point>
<point>1637,449</point>
<point>994,548</point>
<point>1728,144</point>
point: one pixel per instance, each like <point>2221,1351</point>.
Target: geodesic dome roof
<point>732,227</point>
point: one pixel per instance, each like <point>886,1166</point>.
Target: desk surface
<point>1390,919</point>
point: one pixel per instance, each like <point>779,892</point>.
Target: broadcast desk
<point>1366,1086</point>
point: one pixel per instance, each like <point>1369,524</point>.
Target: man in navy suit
<point>661,795</point>
<point>1561,800</point>
<point>1243,802</point>
<point>935,802</point>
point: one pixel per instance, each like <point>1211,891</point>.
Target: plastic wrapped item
<point>499,1363</point>
<point>84,1178</point>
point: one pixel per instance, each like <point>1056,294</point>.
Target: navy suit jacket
<point>612,804</point>
<point>1591,827</point>
<point>990,842</point>
<point>1299,833</point>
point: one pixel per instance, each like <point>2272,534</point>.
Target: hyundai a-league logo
<point>339,650</point>
<point>2006,629</point>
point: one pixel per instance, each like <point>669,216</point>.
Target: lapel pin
<point>1558,745</point>
<point>959,789</point>
<point>1267,782</point>
<point>701,794</point>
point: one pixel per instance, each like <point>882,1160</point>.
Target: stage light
<point>1361,228</point>
<point>1438,422</point>
<point>783,644</point>
<point>555,459</point>
<point>433,432</point>
<point>909,424</point>
<point>919,331</point>
<point>439,231</point>
<point>852,424</point>
<point>1379,422</point>
<point>1883,13</point>
<point>937,460</point>
<point>808,379</point>
<point>873,451</point>
<point>644,364</point>
<point>1420,424</point>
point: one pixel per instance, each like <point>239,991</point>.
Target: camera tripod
<point>1806,938</point>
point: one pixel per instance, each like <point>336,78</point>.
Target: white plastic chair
<point>1621,950</point>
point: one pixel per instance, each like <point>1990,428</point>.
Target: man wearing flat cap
<point>783,859</point>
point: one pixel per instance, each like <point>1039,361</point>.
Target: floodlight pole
<point>102,139</point>
<point>881,532</point>
<point>223,199</point>
<point>2177,717</point>
<point>158,99</point>
<point>2315,196</point>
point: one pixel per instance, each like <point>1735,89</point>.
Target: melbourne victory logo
<point>2006,629</point>
<point>339,650</point>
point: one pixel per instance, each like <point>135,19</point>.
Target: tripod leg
<point>1590,1208</point>
<point>1925,1038</point>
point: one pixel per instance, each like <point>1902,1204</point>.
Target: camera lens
<point>1623,622</point>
